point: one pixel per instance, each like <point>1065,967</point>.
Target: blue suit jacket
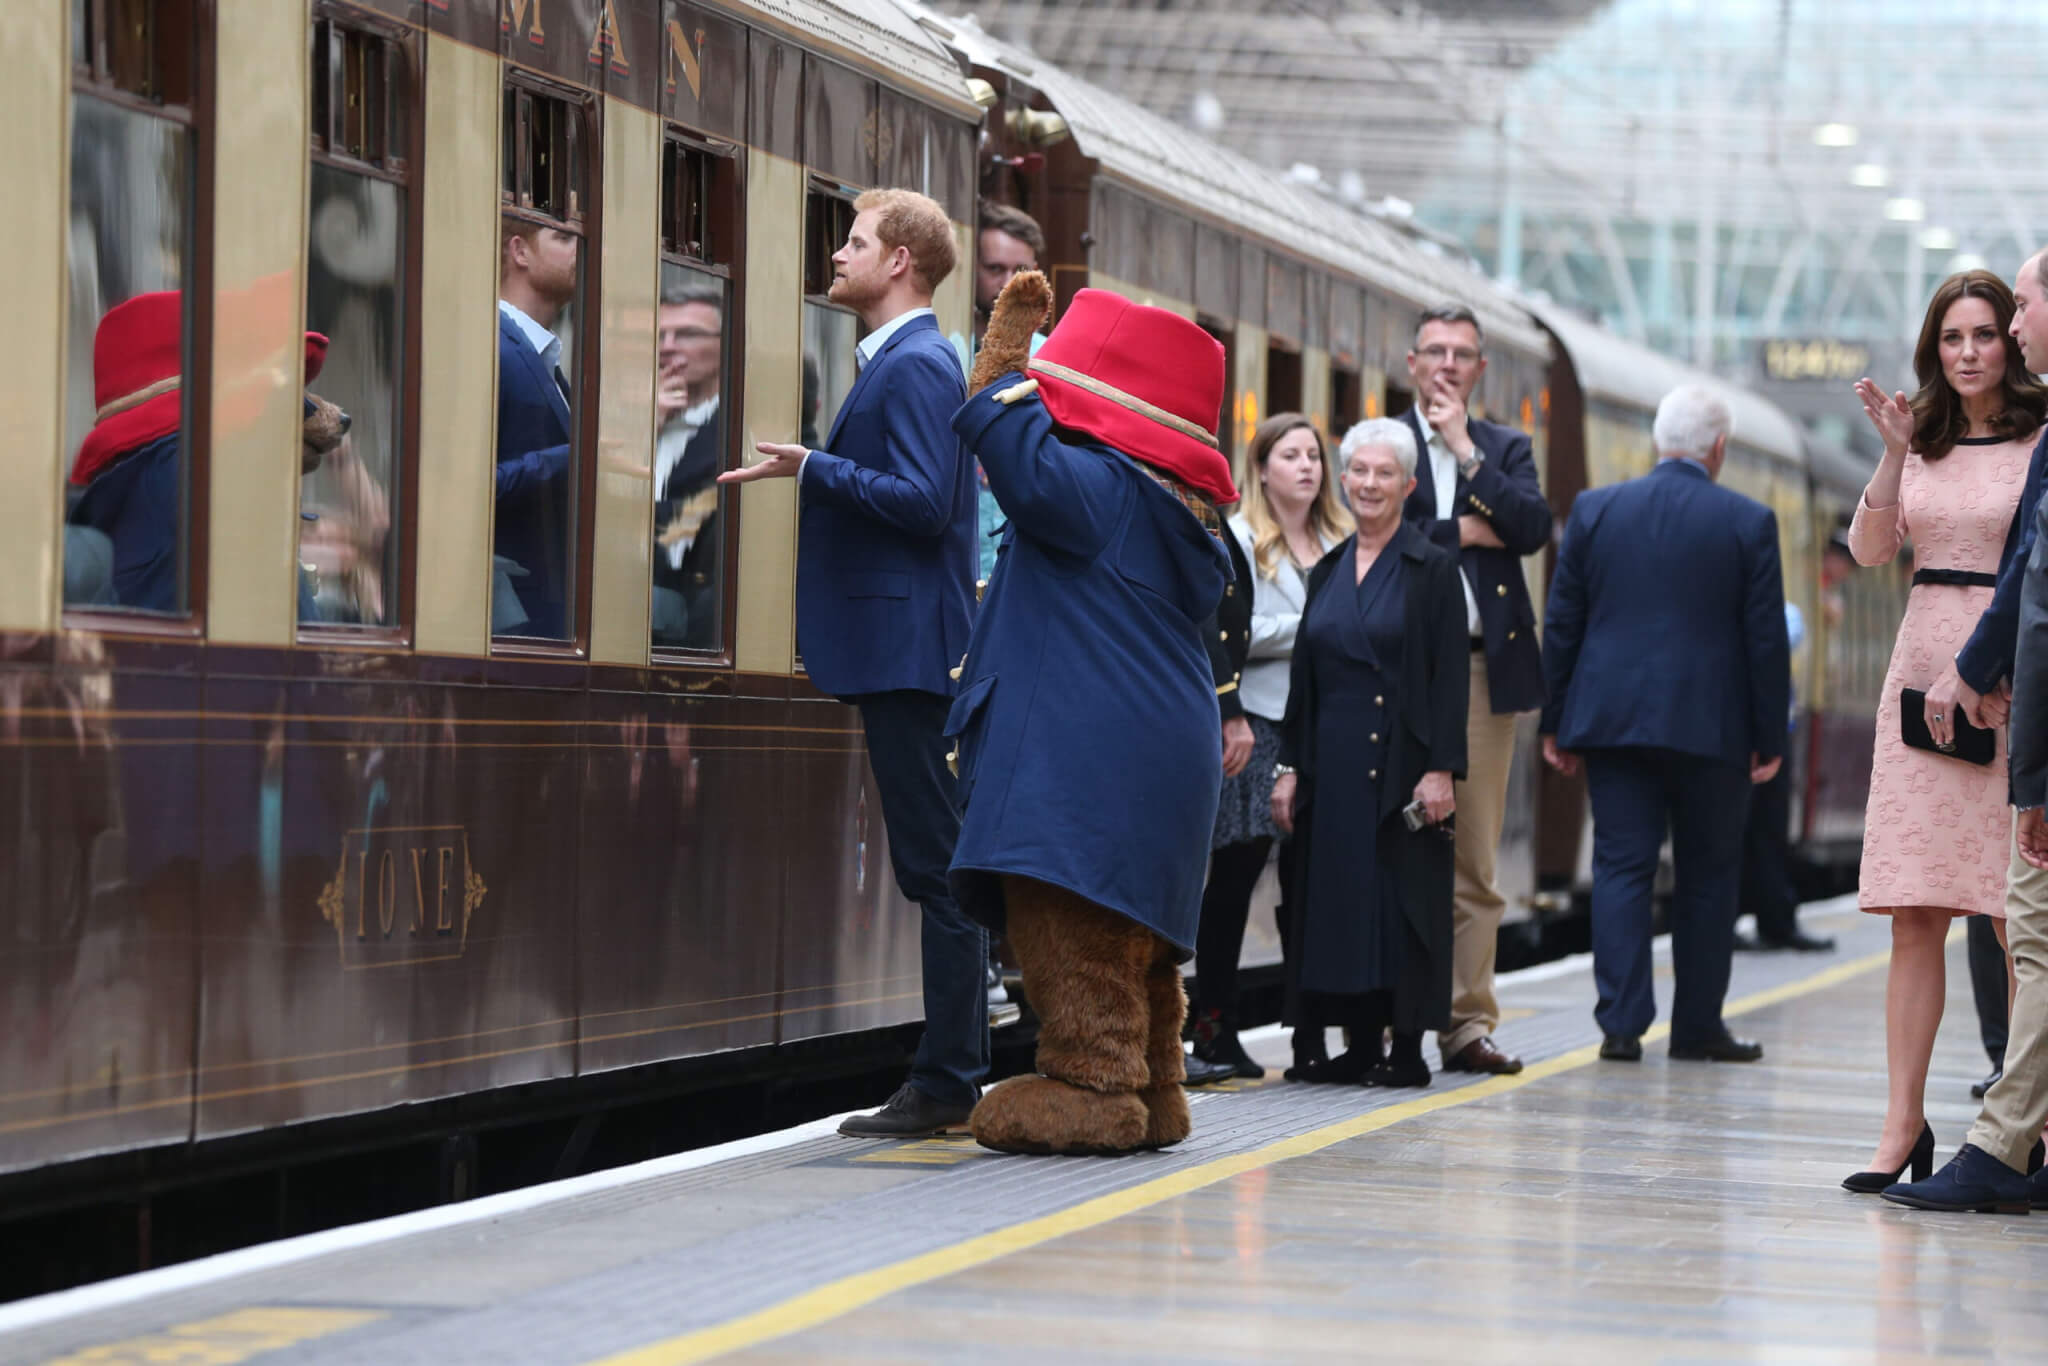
<point>1666,624</point>
<point>1988,655</point>
<point>533,525</point>
<point>1088,753</point>
<point>885,541</point>
<point>1505,491</point>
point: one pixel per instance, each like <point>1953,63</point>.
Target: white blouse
<point>1277,605</point>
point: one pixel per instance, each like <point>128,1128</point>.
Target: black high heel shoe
<point>1921,1160</point>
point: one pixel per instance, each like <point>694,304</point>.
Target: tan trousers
<point>2017,1107</point>
<point>1475,914</point>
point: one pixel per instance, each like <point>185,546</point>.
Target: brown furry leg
<point>1084,972</point>
<point>1166,1105</point>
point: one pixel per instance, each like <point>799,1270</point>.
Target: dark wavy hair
<point>1938,418</point>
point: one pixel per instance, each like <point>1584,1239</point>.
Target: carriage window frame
<point>522,93</point>
<point>717,249</point>
<point>181,89</point>
<point>400,157</point>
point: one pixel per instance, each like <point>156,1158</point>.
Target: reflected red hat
<point>1146,381</point>
<point>137,372</point>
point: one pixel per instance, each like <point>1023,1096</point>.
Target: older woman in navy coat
<point>1373,739</point>
<point>1087,716</point>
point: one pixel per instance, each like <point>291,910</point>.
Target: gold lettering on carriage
<point>402,894</point>
<point>680,55</point>
<point>605,40</point>
<point>512,18</point>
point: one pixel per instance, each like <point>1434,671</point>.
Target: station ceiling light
<point>1905,209</point>
<point>1938,239</point>
<point>1869,175</point>
<point>1835,135</point>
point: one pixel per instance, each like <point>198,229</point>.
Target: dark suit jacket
<point>135,502</point>
<point>1666,624</point>
<point>1432,696</point>
<point>1505,491</point>
<point>690,482</point>
<point>2028,744</point>
<point>885,541</point>
<point>533,490</point>
<point>1987,656</point>
<point>1228,631</point>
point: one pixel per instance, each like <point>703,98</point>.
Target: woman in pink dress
<point>1937,832</point>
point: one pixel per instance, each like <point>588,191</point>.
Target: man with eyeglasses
<point>689,451</point>
<point>1476,493</point>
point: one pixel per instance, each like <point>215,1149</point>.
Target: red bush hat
<point>137,372</point>
<point>1146,381</point>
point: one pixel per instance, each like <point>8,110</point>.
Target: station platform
<point>1583,1211</point>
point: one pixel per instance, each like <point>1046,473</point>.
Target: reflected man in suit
<point>1669,673</point>
<point>537,276</point>
<point>688,452</point>
<point>1477,496</point>
<point>885,568</point>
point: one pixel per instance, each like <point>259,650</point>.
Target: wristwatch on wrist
<point>1283,770</point>
<point>1469,466</point>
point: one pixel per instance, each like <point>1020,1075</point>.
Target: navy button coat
<point>1089,741</point>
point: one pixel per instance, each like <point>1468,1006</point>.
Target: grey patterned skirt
<point>1245,810</point>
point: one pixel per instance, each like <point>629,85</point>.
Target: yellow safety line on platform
<point>829,1301</point>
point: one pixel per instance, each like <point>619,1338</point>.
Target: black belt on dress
<point>1955,578</point>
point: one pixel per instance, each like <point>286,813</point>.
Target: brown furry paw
<point>1166,1115</point>
<point>1041,1115</point>
<point>1020,310</point>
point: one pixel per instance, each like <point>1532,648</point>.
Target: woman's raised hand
<point>1893,416</point>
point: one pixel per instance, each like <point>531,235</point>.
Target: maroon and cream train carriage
<point>316,840</point>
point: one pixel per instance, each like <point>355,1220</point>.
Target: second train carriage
<point>268,863</point>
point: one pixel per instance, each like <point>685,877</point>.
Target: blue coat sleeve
<point>912,489</point>
<point>1763,622</point>
<point>1065,496</point>
<point>1564,618</point>
<point>1987,656</point>
<point>528,474</point>
<point>1513,497</point>
<point>2029,742</point>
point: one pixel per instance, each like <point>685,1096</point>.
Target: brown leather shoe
<point>1482,1055</point>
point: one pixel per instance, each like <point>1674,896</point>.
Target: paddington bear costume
<point>1087,729</point>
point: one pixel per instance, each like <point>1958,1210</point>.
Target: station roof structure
<point>1716,178</point>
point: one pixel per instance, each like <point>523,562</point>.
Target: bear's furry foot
<point>1167,1121</point>
<point>1042,1115</point>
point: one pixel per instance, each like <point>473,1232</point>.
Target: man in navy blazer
<point>885,568</point>
<point>537,276</point>
<point>1669,673</point>
<point>1476,495</point>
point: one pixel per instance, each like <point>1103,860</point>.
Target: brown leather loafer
<point>1483,1055</point>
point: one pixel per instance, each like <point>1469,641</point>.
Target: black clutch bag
<point>1974,744</point>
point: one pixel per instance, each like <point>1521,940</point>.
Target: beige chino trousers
<point>2017,1107</point>
<point>1476,910</point>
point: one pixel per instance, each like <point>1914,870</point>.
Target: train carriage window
<point>358,296</point>
<point>830,331</point>
<point>128,414</point>
<point>693,395</point>
<point>544,262</point>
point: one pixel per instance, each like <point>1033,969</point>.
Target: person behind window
<point>1008,242</point>
<point>688,453</point>
<point>537,276</point>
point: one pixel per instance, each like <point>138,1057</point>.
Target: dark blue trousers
<point>907,750</point>
<point>1638,794</point>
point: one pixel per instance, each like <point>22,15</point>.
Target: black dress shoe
<point>1727,1048</point>
<point>1202,1072</point>
<point>1978,1089</point>
<point>1748,943</point>
<point>1622,1048</point>
<point>910,1113</point>
<point>1397,1075</point>
<point>1348,1068</point>
<point>1973,1182</point>
<point>1799,942</point>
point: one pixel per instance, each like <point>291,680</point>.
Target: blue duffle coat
<point>1088,737</point>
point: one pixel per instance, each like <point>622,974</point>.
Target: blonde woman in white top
<point>1288,519</point>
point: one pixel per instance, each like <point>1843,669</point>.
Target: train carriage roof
<point>1634,376</point>
<point>1178,166</point>
<point>885,33</point>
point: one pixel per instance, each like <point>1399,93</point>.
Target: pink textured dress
<point>1937,831</point>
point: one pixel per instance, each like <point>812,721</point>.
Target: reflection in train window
<point>356,290</point>
<point>830,332</point>
<point>126,542</point>
<point>541,270</point>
